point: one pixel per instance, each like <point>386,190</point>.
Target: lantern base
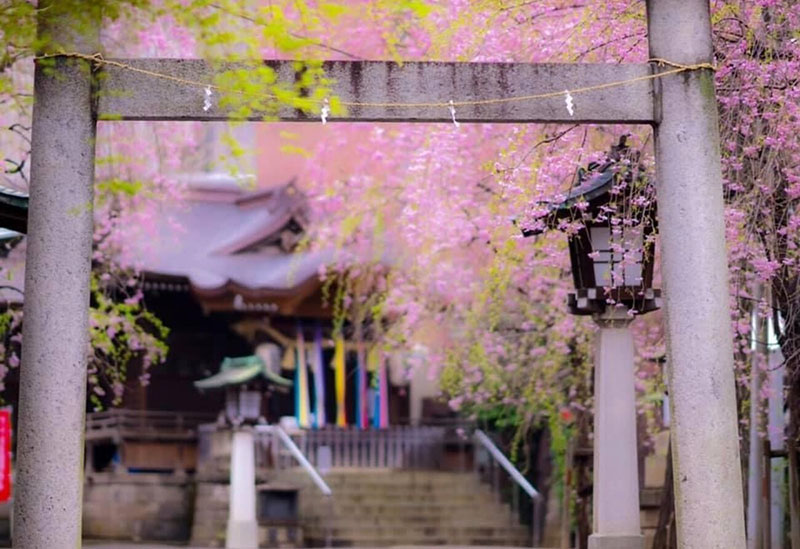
<point>616,541</point>
<point>595,301</point>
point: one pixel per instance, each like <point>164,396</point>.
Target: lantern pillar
<point>616,468</point>
<point>242,531</point>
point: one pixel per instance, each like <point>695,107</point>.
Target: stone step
<point>413,498</point>
<point>318,540</point>
<point>417,520</point>
<point>374,472</point>
<point>349,509</point>
<point>400,477</point>
<point>377,488</point>
<point>417,531</point>
<point>390,508</point>
<point>419,543</point>
<point>391,476</point>
<point>493,518</point>
<point>404,480</point>
<point>452,538</point>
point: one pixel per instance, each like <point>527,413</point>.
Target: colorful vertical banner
<point>319,380</point>
<point>373,359</point>
<point>362,412</point>
<point>378,365</point>
<point>301,382</point>
<point>5,454</point>
<point>339,375</point>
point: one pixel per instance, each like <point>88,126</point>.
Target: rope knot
<point>661,62</point>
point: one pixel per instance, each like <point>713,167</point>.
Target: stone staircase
<point>382,507</point>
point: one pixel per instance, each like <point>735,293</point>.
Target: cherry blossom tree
<point>421,215</point>
<point>138,162</point>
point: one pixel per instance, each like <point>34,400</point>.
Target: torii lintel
<point>382,91</point>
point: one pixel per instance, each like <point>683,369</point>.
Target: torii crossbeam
<point>681,108</point>
<point>381,91</point>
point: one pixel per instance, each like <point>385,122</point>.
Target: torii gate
<point>681,108</point>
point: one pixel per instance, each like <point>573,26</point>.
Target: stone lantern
<point>612,264</point>
<point>245,379</point>
<point>612,269</point>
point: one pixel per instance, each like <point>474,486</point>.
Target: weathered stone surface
<point>374,508</point>
<point>130,95</point>
<point>694,269</point>
<point>210,514</point>
<point>616,476</point>
<point>610,541</point>
<point>211,518</point>
<point>52,387</point>
<point>137,507</point>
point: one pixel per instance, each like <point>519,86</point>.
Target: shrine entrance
<point>674,93</point>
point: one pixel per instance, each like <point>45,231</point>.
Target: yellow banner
<point>339,377</point>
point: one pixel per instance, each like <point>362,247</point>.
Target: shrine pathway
<point>107,545</point>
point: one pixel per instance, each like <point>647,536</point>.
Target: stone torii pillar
<point>694,269</point>
<point>52,400</point>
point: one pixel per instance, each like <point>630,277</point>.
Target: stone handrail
<point>518,478</point>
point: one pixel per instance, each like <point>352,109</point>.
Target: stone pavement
<point>111,545</point>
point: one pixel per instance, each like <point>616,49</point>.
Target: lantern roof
<point>235,371</point>
<point>592,185</point>
<point>609,266</point>
<point>13,211</point>
<point>594,190</point>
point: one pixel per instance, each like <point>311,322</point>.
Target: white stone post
<point>242,532</point>
<point>616,469</point>
<point>777,426</point>
<point>755,458</point>
<point>694,270</point>
<point>52,401</point>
